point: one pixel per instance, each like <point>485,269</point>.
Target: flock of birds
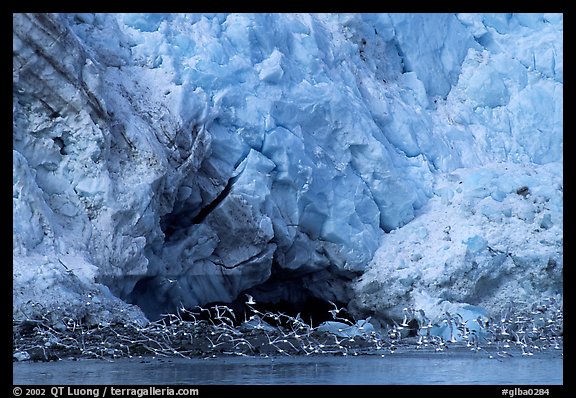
<point>268,333</point>
<point>539,330</point>
<point>216,331</point>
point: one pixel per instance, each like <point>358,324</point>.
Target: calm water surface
<point>436,368</point>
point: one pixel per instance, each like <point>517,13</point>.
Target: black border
<point>296,6</point>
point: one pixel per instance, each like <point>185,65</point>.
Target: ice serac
<point>63,180</point>
<point>183,159</point>
<point>492,233</point>
<point>491,236</point>
<point>433,46</point>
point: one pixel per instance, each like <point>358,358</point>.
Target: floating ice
<point>362,327</point>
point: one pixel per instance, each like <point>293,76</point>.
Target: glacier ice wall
<point>183,159</point>
<point>491,236</point>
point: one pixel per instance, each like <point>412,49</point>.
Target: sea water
<point>406,368</point>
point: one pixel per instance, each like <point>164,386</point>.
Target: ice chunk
<point>362,328</point>
<point>271,69</point>
<point>486,88</point>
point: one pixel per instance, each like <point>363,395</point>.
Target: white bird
<point>526,351</point>
<point>214,345</point>
<point>405,321</point>
<point>250,300</point>
<point>336,311</point>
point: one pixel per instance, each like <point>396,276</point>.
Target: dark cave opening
<point>313,311</point>
<point>311,295</point>
<point>144,296</point>
<point>278,295</point>
<point>308,292</point>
